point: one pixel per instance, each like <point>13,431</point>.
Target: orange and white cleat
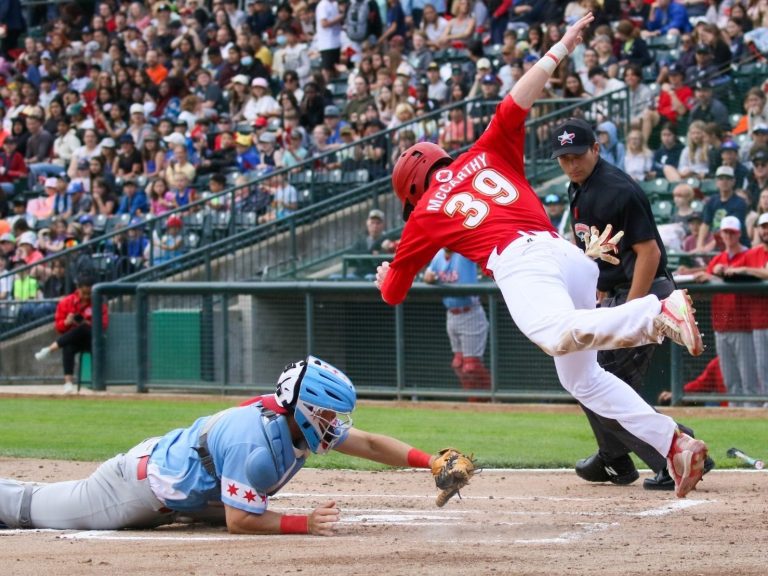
<point>685,462</point>
<point>676,322</point>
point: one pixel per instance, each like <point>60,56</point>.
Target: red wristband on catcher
<point>294,524</point>
<point>418,459</point>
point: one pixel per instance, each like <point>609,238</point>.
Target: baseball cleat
<point>663,481</point>
<point>596,468</point>
<point>685,462</point>
<point>677,323</point>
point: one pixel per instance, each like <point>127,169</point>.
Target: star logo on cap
<point>566,138</point>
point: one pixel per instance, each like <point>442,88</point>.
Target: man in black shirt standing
<point>601,194</point>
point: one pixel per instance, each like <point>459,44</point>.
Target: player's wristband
<point>418,459</point>
<point>551,59</point>
<point>294,524</point>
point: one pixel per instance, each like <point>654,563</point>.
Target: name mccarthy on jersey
<point>451,180</point>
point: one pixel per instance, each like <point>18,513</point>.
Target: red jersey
<point>475,205</point>
<point>757,257</point>
<point>730,312</point>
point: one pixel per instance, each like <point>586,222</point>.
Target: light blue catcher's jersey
<point>179,479</point>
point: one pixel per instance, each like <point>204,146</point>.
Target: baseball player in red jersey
<point>481,205</point>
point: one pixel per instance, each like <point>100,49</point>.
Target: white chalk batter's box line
<point>402,517</point>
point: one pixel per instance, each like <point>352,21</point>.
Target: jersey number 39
<point>487,182</point>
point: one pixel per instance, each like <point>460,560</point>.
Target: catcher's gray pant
<point>468,331</point>
<point>760,340</point>
<point>112,497</point>
<point>631,365</point>
<point>738,364</point>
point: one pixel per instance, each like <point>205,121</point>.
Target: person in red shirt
<point>674,102</point>
<point>481,206</point>
<point>12,165</point>
<point>73,320</point>
<point>732,316</point>
<point>756,264</point>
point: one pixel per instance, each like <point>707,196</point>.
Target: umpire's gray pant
<point>738,364</point>
<point>112,497</point>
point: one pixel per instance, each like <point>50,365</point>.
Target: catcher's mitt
<point>452,471</point>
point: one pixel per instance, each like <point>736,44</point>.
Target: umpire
<point>601,194</point>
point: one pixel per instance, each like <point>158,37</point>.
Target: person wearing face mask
<point>291,55</point>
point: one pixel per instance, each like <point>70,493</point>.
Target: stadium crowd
<point>124,111</point>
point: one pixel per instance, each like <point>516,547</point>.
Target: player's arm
<point>320,522</point>
<point>383,449</point>
<point>646,264</point>
<point>528,89</point>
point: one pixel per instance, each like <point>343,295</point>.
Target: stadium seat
<point>655,188</point>
<point>359,176</point>
<point>709,187</point>
<point>662,211</point>
<point>245,220</point>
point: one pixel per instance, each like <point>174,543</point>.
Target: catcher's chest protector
<point>270,467</point>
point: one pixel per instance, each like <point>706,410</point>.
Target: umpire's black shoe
<point>663,481</point>
<point>619,471</point>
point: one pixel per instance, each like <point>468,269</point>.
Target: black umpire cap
<point>573,136</point>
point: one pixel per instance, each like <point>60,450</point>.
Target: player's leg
<point>729,366</point>
<point>760,343</point>
<point>111,498</point>
<point>455,338</point>
<point>745,359</point>
<point>549,288</point>
<point>474,335</point>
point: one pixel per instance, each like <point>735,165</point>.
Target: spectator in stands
<point>674,101</point>
<point>104,199</point>
<point>74,320</point>
<point>707,108</point>
<point>40,142</point>
<point>754,216</point>
<point>683,196</point>
<point>694,159</point>
<point>460,28</point>
<point>668,153</point>
<point>757,178</point>
<point>6,280</point>
<point>65,144</point>
<point>704,68</point>
<point>170,245</point>
<point>640,95</point>
<point>602,85</point>
<point>128,163</point>
<point>26,249</point>
<point>434,26</point>
<point>360,100</point>
<point>183,193</point>
<point>632,49</point>
<point>457,132</point>
<point>84,153</point>
<point>729,156</point>
<point>638,160</point>
<point>611,148</point>
<point>374,243</point>
<point>726,203</point>
<point>329,15</point>
<point>667,17</point>
<point>606,60</point>
<point>555,207</point>
<point>8,248</point>
<point>12,166</point>
<point>161,199</point>
<point>134,200</point>
<point>179,163</point>
<point>438,89</point>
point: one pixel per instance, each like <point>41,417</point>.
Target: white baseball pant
<point>549,286</point>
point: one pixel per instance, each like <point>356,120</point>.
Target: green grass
<point>96,429</point>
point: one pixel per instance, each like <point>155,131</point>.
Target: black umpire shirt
<point>611,196</point>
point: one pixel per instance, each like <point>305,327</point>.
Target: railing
<point>229,338</point>
<point>217,225</point>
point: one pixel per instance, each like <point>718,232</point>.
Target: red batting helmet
<point>409,178</point>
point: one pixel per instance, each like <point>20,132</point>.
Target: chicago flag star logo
<point>566,138</point>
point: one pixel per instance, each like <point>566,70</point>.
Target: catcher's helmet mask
<point>321,399</point>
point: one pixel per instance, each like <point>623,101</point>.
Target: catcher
<point>223,468</point>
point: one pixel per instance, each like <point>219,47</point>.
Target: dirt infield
<point>509,522</point>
